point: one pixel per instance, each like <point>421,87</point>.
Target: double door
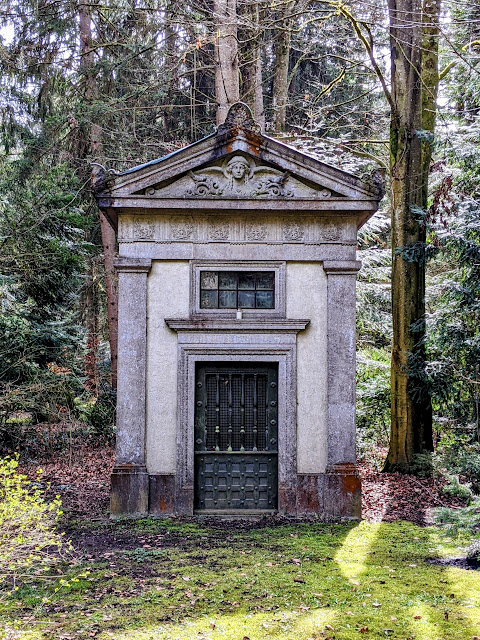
<point>236,437</point>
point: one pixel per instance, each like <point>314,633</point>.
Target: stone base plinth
<point>129,491</point>
<point>162,495</point>
<point>334,495</point>
<point>343,493</point>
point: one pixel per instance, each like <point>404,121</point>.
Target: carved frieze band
<point>245,229</point>
<point>181,228</point>
<point>143,229</point>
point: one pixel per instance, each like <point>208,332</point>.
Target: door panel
<point>236,455</point>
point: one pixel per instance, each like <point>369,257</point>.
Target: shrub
<point>463,519</point>
<point>457,456</point>
<point>102,417</point>
<point>373,404</point>
<point>457,489</point>
<point>29,539</point>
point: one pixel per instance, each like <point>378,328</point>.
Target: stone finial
<point>101,178</point>
<point>239,116</point>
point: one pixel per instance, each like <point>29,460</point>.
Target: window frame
<point>277,267</point>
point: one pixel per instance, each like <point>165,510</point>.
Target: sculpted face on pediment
<point>238,176</point>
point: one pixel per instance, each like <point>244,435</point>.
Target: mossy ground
<point>168,580</point>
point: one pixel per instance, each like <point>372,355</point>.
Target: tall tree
<point>414,30</point>
<point>250,52</point>
<point>414,81</point>
<point>282,40</point>
<point>227,87</point>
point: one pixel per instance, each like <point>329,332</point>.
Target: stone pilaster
<point>342,486</point>
<point>129,492</point>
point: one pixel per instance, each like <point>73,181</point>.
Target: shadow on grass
<point>295,582</point>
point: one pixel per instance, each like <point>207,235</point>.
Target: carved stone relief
<point>143,230</point>
<point>205,185</point>
<point>238,176</point>
<point>256,230</point>
<point>293,231</point>
<point>240,117</point>
<point>181,228</point>
<point>219,230</point>
<point>242,229</point>
<point>331,231</point>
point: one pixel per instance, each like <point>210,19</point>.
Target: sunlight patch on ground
<point>284,625</point>
<point>354,553</point>
<point>295,582</point>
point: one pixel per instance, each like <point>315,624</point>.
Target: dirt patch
<point>459,563</point>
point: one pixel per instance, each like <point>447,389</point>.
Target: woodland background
<point>121,82</point>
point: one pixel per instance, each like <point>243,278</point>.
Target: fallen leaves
<point>84,488</point>
<point>387,497</point>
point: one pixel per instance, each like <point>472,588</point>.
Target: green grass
<point>293,582</point>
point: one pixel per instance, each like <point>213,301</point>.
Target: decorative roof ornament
<point>239,116</point>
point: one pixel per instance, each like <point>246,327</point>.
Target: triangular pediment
<point>238,162</point>
<point>237,175</point>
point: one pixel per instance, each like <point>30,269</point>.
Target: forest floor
<point>185,579</point>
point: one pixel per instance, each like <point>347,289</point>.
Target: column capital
<point>133,265</point>
<point>341,267</point>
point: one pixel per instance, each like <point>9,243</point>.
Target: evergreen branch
<point>365,154</point>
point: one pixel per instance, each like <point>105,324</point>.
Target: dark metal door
<point>236,450</point>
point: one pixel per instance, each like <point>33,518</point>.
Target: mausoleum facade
<point>236,356</point>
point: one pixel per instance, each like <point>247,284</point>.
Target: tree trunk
<point>227,90</point>
<point>96,148</point>
<point>251,75</point>
<point>280,70</point>
<point>431,35</point>
<point>171,52</point>
<point>411,413</point>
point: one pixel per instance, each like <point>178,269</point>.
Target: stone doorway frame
<point>258,348</point>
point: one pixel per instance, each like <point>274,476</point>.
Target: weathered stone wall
<point>167,297</point>
<point>306,297</point>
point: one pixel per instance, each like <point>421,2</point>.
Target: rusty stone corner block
<point>343,492</point>
<point>129,491</point>
<point>161,494</point>
<point>310,492</point>
<point>287,500</point>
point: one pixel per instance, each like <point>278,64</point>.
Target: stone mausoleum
<point>236,361</point>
